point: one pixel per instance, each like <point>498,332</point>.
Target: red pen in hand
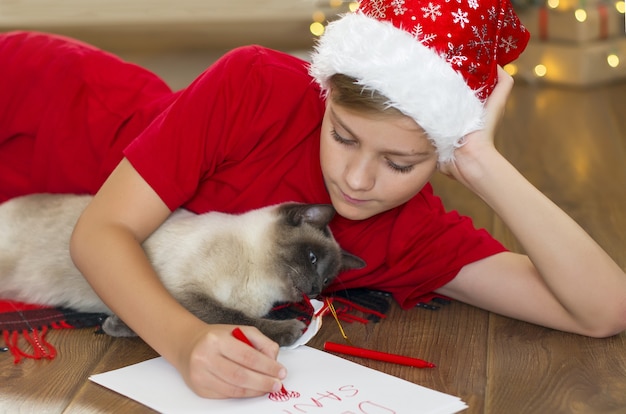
<point>238,333</point>
<point>377,355</point>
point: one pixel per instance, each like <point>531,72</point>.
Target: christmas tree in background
<point>573,42</point>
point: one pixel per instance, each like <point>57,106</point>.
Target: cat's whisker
<point>296,271</point>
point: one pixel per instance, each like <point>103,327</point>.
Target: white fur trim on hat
<point>416,80</point>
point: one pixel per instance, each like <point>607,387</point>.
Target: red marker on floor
<point>377,355</point>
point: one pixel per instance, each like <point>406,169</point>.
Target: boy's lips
<point>352,200</point>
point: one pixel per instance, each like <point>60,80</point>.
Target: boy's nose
<point>360,174</point>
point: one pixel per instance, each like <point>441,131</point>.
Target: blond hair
<point>345,91</point>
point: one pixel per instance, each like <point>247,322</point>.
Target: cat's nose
<point>317,288</point>
<point>314,292</point>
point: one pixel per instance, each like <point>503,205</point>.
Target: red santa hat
<point>435,60</point>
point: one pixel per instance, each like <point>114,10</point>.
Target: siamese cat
<point>223,268</point>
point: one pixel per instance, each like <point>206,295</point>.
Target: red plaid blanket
<point>24,327</point>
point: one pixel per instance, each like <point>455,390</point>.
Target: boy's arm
<point>106,247</point>
<point>567,281</point>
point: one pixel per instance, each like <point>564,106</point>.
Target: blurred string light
<point>511,69</point>
<point>540,69</point>
<point>554,4</point>
<point>613,60</point>
<point>327,11</point>
<point>580,15</point>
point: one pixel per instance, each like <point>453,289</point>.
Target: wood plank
<point>549,371</point>
<point>92,397</point>
<point>49,385</point>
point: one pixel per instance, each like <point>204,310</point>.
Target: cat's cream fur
<point>223,268</point>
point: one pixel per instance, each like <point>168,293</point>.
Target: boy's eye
<point>400,168</point>
<point>340,139</point>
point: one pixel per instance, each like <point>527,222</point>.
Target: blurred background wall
<point>167,24</point>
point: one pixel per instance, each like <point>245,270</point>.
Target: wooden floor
<point>571,143</point>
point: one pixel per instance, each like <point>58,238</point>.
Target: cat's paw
<point>284,332</point>
<point>114,326</point>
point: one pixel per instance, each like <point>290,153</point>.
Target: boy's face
<point>372,163</point>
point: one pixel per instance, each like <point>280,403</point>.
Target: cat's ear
<point>318,215</point>
<point>350,261</point>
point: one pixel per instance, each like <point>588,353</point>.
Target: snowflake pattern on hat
<point>469,34</point>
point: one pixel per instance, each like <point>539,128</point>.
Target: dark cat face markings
<point>310,255</point>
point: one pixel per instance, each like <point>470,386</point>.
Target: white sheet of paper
<point>325,383</point>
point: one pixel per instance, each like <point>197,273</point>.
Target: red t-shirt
<point>244,134</point>
<point>67,110</point>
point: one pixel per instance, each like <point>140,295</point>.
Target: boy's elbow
<point>609,326</point>
<point>605,332</point>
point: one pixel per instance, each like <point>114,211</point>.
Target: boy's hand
<point>479,144</point>
<point>217,365</point>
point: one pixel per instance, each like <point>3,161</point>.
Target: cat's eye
<point>312,258</point>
